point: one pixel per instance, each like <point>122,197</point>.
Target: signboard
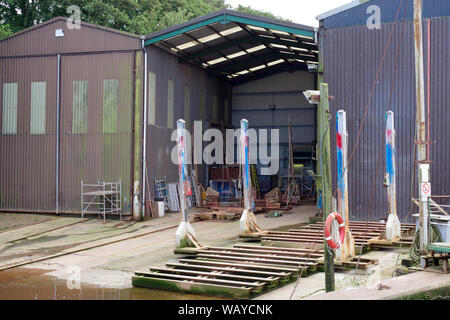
<point>425,191</point>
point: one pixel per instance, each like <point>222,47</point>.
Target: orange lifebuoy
<point>327,231</point>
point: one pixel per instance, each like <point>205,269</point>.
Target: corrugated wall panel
<point>27,161</point>
<point>96,155</point>
<point>351,57</point>
<point>267,103</point>
<point>439,106</point>
<point>202,86</point>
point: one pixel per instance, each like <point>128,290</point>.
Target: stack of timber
<point>212,196</point>
<point>313,234</point>
<point>217,215</point>
<point>273,196</point>
<point>240,272</point>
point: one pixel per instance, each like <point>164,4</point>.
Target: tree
<point>5,31</point>
<point>134,16</point>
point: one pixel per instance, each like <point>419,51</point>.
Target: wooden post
<point>423,166</point>
<point>393,224</point>
<point>248,220</point>
<point>185,235</point>
<point>347,249</point>
<point>324,179</point>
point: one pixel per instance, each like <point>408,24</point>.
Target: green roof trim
<point>267,25</point>
<point>227,18</point>
<point>183,30</point>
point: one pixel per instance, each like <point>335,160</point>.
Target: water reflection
<point>33,284</point>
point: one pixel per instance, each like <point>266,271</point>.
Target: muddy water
<point>33,284</point>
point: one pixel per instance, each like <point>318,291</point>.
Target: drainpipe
<point>58,106</point>
<point>137,138</point>
<point>144,152</point>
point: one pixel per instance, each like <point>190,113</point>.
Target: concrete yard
<point>37,261</point>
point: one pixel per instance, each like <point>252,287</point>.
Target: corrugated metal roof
<point>41,40</point>
<point>239,47</point>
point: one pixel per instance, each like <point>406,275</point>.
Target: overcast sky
<point>299,11</point>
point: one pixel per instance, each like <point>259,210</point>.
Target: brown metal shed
<point>95,65</point>
<point>352,53</point>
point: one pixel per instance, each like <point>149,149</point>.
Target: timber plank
<point>191,287</point>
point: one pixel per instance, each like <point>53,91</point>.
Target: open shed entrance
<point>266,62</point>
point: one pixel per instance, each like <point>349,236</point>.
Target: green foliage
<point>5,31</point>
<point>134,16</point>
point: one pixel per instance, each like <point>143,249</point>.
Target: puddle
<point>33,284</point>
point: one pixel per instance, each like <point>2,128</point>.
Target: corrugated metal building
<point>92,68</point>
<point>351,55</point>
<point>73,100</point>
<point>264,64</point>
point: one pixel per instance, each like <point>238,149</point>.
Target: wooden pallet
<point>240,272</point>
<point>216,215</point>
<point>362,232</point>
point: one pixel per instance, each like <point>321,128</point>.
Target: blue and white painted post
<point>185,235</point>
<point>393,223</point>
<point>248,220</point>
<point>347,249</point>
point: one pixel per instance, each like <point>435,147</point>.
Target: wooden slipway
<point>240,272</point>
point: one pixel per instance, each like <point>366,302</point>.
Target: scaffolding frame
<point>101,198</point>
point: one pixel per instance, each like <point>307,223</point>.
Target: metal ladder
<point>161,191</point>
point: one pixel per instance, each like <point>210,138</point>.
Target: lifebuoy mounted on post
<point>328,223</point>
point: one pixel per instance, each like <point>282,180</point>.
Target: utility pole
<point>421,139</point>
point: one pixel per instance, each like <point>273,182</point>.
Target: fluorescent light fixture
<point>278,46</point>
<point>221,59</point>
<point>256,28</point>
<point>242,72</point>
<point>257,48</point>
<point>279,32</point>
<point>266,36</point>
<point>187,45</point>
<point>287,52</point>
<point>275,62</point>
<point>258,67</point>
<point>291,40</point>
<point>299,49</point>
<point>230,31</point>
<point>209,38</point>
<point>235,55</point>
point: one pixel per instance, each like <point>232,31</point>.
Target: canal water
<point>33,284</point>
